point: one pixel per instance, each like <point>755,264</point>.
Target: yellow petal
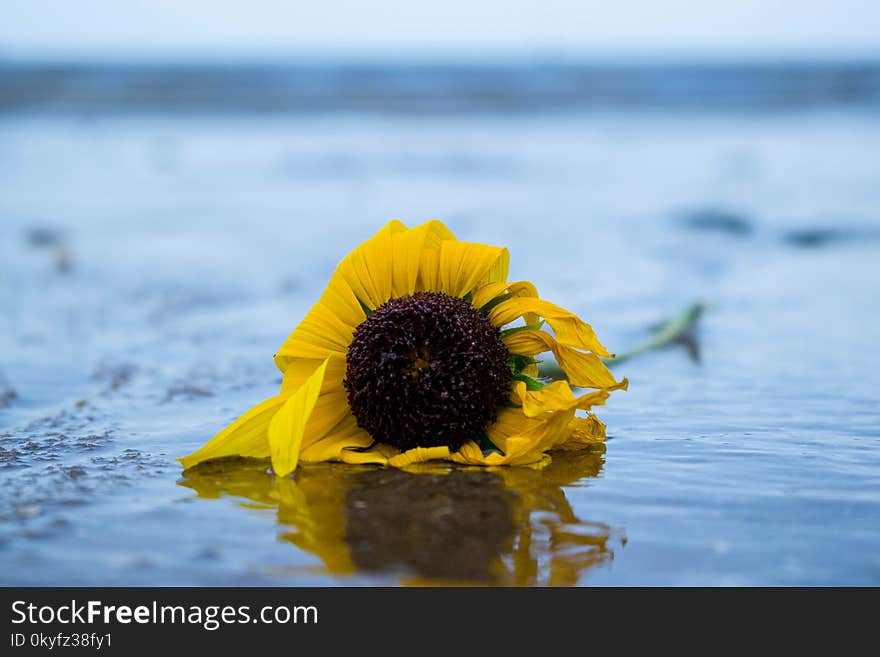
<point>584,432</point>
<point>436,233</point>
<point>330,409</point>
<point>429,259</point>
<point>526,438</point>
<point>378,455</point>
<point>320,334</point>
<point>300,369</point>
<point>288,426</point>
<point>388,264</point>
<point>429,270</point>
<point>341,300</point>
<point>557,396</point>
<point>486,293</point>
<point>471,454</point>
<point>511,422</point>
<point>364,276</point>
<point>419,455</point>
<point>407,250</point>
<point>584,370</point>
<point>522,289</point>
<point>522,440</point>
<point>369,268</point>
<point>247,436</point>
<point>330,446</point>
<point>327,329</point>
<point>465,266</point>
<point>528,343</point>
<point>570,330</point>
<point>334,446</point>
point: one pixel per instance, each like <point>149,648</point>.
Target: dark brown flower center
<point>426,370</point>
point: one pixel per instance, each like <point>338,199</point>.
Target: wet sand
<point>152,265</point>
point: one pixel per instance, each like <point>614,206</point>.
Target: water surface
<point>151,264</point>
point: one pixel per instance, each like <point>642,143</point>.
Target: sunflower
<point>420,349</point>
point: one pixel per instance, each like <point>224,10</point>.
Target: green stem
<point>677,329</point>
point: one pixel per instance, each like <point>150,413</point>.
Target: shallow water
<point>150,266</point>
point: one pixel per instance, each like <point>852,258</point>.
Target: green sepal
<point>531,383</point>
<point>517,329</point>
<point>494,302</point>
<point>518,363</point>
<point>365,308</point>
<point>487,445</point>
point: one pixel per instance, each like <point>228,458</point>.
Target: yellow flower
<point>420,349</point>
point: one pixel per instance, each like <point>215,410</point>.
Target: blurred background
<point>178,179</point>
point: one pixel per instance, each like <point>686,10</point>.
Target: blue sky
<point>466,28</point>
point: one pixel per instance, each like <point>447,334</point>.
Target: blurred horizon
<point>389,87</point>
<point>513,56</point>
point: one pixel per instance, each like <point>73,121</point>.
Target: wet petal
<point>378,455</point>
<point>287,428</point>
<point>584,370</point>
<point>419,455</point>
<point>570,330</point>
<point>584,432</point>
<point>331,446</point>
<point>331,407</point>
<point>247,436</point>
<point>557,396</point>
<point>525,438</point>
<point>522,440</point>
<point>471,454</point>
<point>554,397</point>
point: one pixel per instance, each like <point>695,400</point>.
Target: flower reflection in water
<point>431,523</point>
